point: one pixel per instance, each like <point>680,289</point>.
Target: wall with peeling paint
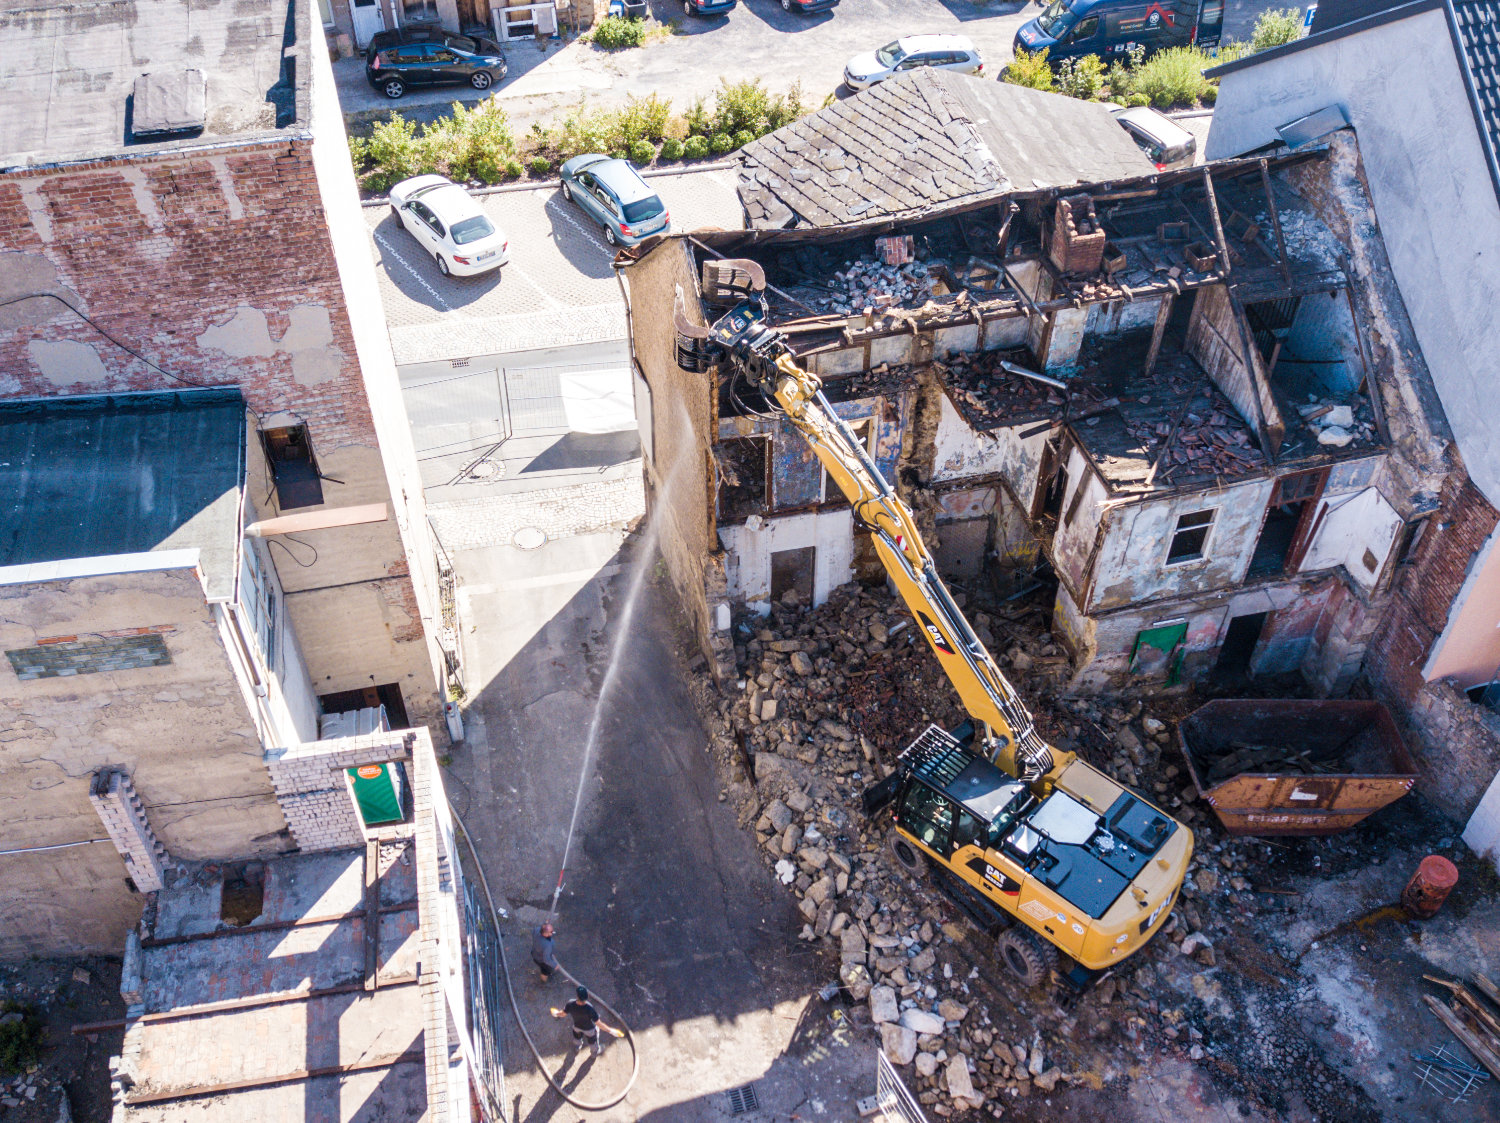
<point>961,452</point>
<point>184,258</point>
<point>184,732</point>
<point>748,548</point>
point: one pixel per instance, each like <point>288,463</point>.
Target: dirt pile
<point>825,701</point>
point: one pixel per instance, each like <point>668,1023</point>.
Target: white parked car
<point>951,52</point>
<point>450,225</point>
<point>1165,143</point>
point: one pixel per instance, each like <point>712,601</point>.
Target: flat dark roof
<point>84,477</point>
<point>71,69</point>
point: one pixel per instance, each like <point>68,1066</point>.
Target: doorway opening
<point>1283,536</point>
<point>1240,639</point>
<point>369,697</point>
<point>792,570</point>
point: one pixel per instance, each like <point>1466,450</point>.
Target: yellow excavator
<point>1038,846</point>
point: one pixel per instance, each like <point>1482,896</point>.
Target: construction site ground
<point>1286,986</point>
<point>70,1081</point>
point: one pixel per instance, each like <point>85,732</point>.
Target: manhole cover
<point>486,470</point>
<point>742,1100</point>
<point>529,537</point>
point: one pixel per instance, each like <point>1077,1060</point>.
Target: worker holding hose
<point>586,1021</point>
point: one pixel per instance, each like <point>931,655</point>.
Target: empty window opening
<point>1056,486</point>
<point>1279,547</point>
<point>1190,536</point>
<point>1411,537</point>
<point>1486,694</point>
<point>243,894</point>
<point>792,571</point>
<point>368,697</point>
<point>1270,325</point>
<point>293,467</point>
<point>1240,640</point>
<point>742,476</point>
<point>862,430</point>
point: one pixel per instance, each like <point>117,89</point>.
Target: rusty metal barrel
<point>1429,886</point>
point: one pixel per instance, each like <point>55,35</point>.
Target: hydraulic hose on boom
<point>759,354</point>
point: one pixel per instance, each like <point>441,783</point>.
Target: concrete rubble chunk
<point>799,802</point>
<point>960,1084</point>
<point>899,1043</point>
<point>927,1064</point>
<point>779,814</point>
<point>856,977</point>
<point>924,961</point>
<point>813,856</point>
<point>922,1021</point>
<point>883,1007</point>
<point>852,945</point>
<point>951,1011</point>
<point>802,663</point>
<point>1047,1081</point>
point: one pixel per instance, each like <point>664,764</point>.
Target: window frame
<point>1177,528</point>
<point>867,442</point>
<point>311,478</point>
<point>938,844</point>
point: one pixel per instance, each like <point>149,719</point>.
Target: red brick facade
<point>157,281</point>
<point>1425,590</point>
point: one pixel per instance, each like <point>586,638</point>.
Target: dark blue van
<point>1112,28</point>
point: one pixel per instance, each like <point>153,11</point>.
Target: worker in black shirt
<point>586,1020</point>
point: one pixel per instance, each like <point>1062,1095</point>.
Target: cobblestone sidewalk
<point>559,512</point>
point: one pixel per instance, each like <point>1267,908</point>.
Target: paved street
<point>666,911</point>
<point>756,40</point>
<point>559,288</point>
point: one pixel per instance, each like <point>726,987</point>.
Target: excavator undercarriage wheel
<point>1025,955</point>
<point>907,856</point>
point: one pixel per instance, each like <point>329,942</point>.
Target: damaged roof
<point>85,477</point>
<point>923,138</point>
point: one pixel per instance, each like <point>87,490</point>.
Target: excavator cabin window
<point>928,815</point>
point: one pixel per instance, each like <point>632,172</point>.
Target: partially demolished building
<point>1176,391</point>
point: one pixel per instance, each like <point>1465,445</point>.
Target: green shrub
<point>644,118</point>
<point>470,143</point>
<point>1276,26</point>
<point>1172,77</point>
<point>1082,77</point>
<point>695,147</point>
<point>20,1039</point>
<point>785,108</point>
<point>671,149</point>
<point>1135,101</point>
<point>1030,69</point>
<point>740,105</point>
<point>393,148</point>
<point>539,165</point>
<point>613,32</point>
<point>698,120</point>
<point>513,169</point>
<point>642,152</point>
<point>358,153</point>
<point>720,143</point>
<point>743,137</point>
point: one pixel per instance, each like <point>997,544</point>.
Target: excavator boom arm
<point>762,357</point>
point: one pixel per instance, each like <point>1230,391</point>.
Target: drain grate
<point>742,1100</point>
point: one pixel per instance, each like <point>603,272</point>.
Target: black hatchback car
<point>453,60</point>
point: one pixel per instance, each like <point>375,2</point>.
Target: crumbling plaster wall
<point>961,452</point>
<point>185,259</point>
<point>182,731</point>
<point>1219,339</point>
<point>1432,223</point>
<point>680,474</point>
<point>749,546</point>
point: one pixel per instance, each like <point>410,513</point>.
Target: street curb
<point>553,184</point>
<point>1184,114</point>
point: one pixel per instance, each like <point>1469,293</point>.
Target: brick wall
<point>1426,588</point>
<point>312,791</point>
<point>63,657</point>
<point>1456,743</point>
<point>220,269</point>
<point>124,818</point>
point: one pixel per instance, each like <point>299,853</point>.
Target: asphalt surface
<point>559,288</point>
<point>755,41</point>
<point>666,911</point>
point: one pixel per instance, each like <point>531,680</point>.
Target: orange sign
<point>369,771</point>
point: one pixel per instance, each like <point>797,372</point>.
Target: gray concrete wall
<point>182,731</point>
<point>1404,94</point>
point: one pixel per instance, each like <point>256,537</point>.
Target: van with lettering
<point>1113,28</point>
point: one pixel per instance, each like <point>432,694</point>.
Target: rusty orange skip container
<point>1358,742</point>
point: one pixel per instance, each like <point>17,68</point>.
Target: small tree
<point>1276,26</point>
<point>1030,69</point>
<point>1081,77</point>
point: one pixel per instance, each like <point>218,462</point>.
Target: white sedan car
<point>450,225</point>
<point>911,52</point>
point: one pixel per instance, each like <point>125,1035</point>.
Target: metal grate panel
<point>743,1100</point>
<point>936,756</point>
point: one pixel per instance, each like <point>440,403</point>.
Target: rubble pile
<point>824,702</point>
<point>1210,437</point>
<point>1336,423</point>
<point>867,286</point>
